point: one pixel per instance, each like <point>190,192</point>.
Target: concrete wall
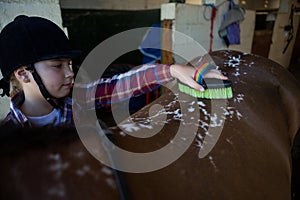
<point>9,9</point>
<point>189,19</point>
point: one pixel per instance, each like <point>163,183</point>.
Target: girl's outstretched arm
<point>139,81</point>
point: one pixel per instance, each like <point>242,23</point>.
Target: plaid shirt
<point>102,92</point>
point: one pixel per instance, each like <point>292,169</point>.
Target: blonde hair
<point>15,86</point>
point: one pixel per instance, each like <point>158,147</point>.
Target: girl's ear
<point>22,75</point>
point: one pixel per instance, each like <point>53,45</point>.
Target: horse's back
<point>251,151</point>
<point>240,148</point>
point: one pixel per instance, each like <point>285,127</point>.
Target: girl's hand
<point>185,74</point>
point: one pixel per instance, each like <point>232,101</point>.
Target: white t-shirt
<point>53,118</point>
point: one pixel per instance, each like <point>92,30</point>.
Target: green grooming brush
<point>214,88</point>
<point>220,89</point>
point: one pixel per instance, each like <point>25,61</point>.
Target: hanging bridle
<point>290,29</point>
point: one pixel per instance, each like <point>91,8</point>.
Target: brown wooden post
<point>167,57</point>
<point>166,46</point>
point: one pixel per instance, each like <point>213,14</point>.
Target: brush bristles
<point>217,93</point>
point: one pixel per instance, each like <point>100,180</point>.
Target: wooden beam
<point>167,57</point>
<point>112,4</point>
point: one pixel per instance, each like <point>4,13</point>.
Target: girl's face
<point>57,76</point>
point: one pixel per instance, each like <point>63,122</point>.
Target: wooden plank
<point>167,57</point>
<point>166,45</point>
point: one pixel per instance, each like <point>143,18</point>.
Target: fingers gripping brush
<point>214,88</point>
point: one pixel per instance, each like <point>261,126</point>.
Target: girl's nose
<point>68,72</point>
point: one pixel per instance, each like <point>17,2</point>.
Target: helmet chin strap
<point>45,93</point>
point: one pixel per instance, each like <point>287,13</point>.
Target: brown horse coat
<point>42,163</point>
<point>250,160</point>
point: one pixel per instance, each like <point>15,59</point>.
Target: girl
<point>35,58</point>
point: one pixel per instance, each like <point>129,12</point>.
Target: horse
<point>250,158</point>
<point>238,148</point>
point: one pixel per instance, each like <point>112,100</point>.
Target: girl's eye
<point>57,66</point>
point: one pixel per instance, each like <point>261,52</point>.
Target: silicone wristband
<point>201,71</point>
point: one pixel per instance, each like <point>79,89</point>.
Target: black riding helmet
<point>27,40</point>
